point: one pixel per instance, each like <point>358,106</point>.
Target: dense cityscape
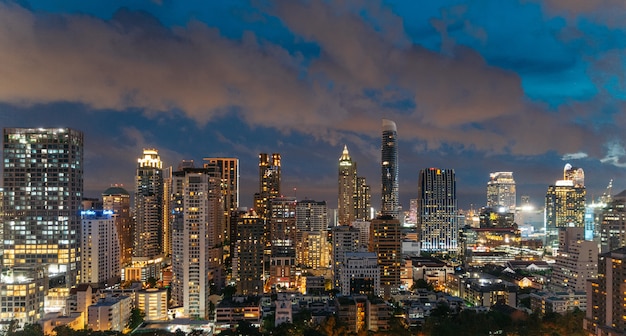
<point>179,252</point>
<point>313,167</point>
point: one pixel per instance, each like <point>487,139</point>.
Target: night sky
<point>477,86</point>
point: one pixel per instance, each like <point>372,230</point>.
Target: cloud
<point>615,152</point>
<point>574,156</point>
<point>362,71</point>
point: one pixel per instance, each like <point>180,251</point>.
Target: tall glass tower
<point>43,190</point>
<point>389,174</point>
<point>437,218</point>
<point>501,191</point>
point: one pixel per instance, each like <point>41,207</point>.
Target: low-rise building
<point>153,303</point>
<point>110,313</point>
<point>230,312</point>
<point>557,302</point>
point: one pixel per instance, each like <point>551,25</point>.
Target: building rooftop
<point>115,191</point>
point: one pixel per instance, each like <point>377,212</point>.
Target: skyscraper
<point>117,200</point>
<point>43,190</point>
<point>612,228</point>
<point>363,200</point>
<point>196,213</point>
<point>311,226</point>
<point>250,244</point>
<point>437,220</point>
<point>229,170</point>
<point>501,191</point>
<point>269,183</point>
<point>282,237</point>
<point>149,205</point>
<point>565,204</point>
<point>389,174</point>
<point>347,189</point>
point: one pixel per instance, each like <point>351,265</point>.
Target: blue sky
<point>477,86</point>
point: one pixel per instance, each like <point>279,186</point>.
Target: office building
<point>501,191</point>
<point>606,296</point>
<point>117,199</point>
<point>149,205</point>
<point>437,218</point>
<point>43,190</point>
<point>389,165</point>
<point>565,204</point>
<point>196,255</point>
<point>385,240</point>
<point>100,247</point>
<point>167,211</point>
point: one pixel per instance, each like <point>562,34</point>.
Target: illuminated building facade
<point>345,239</point>
<point>437,218</point>
<point>360,274</point>
<point>117,200</point>
<point>153,303</point>
<point>576,260</point>
<point>229,172</point>
<point>501,191</point>
<point>389,173</point>
<point>100,248</point>
<point>149,205</point>
<point>386,241</point>
<point>606,296</point>
<point>282,238</point>
<point>347,189</point>
<point>311,225</point>
<point>269,183</point>
<point>363,200</point>
<point>196,256</point>
<point>43,190</point>
<point>248,254</point>
<point>565,204</point>
<point>612,230</point>
<point>22,292</point>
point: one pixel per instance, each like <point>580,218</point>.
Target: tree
<point>136,318</point>
<point>151,282</point>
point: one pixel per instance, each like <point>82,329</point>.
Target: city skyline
<point>467,91</point>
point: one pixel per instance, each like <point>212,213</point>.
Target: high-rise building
<point>344,239</point>
<point>363,200</point>
<point>385,241</point>
<point>311,225</point>
<point>360,274</point>
<point>389,164</point>
<point>43,190</point>
<point>197,210</point>
<point>229,170</point>
<point>282,239</point>
<point>149,205</point>
<point>269,183</point>
<point>565,204</point>
<point>100,248</point>
<point>347,189</point>
<point>501,191</point>
<point>612,220</point>
<point>167,210</point>
<point>437,218</point>
<point>606,296</point>
<point>248,253</point>
<point>576,260</point>
<point>117,200</point>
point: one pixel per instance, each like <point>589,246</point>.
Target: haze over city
<point>521,86</point>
